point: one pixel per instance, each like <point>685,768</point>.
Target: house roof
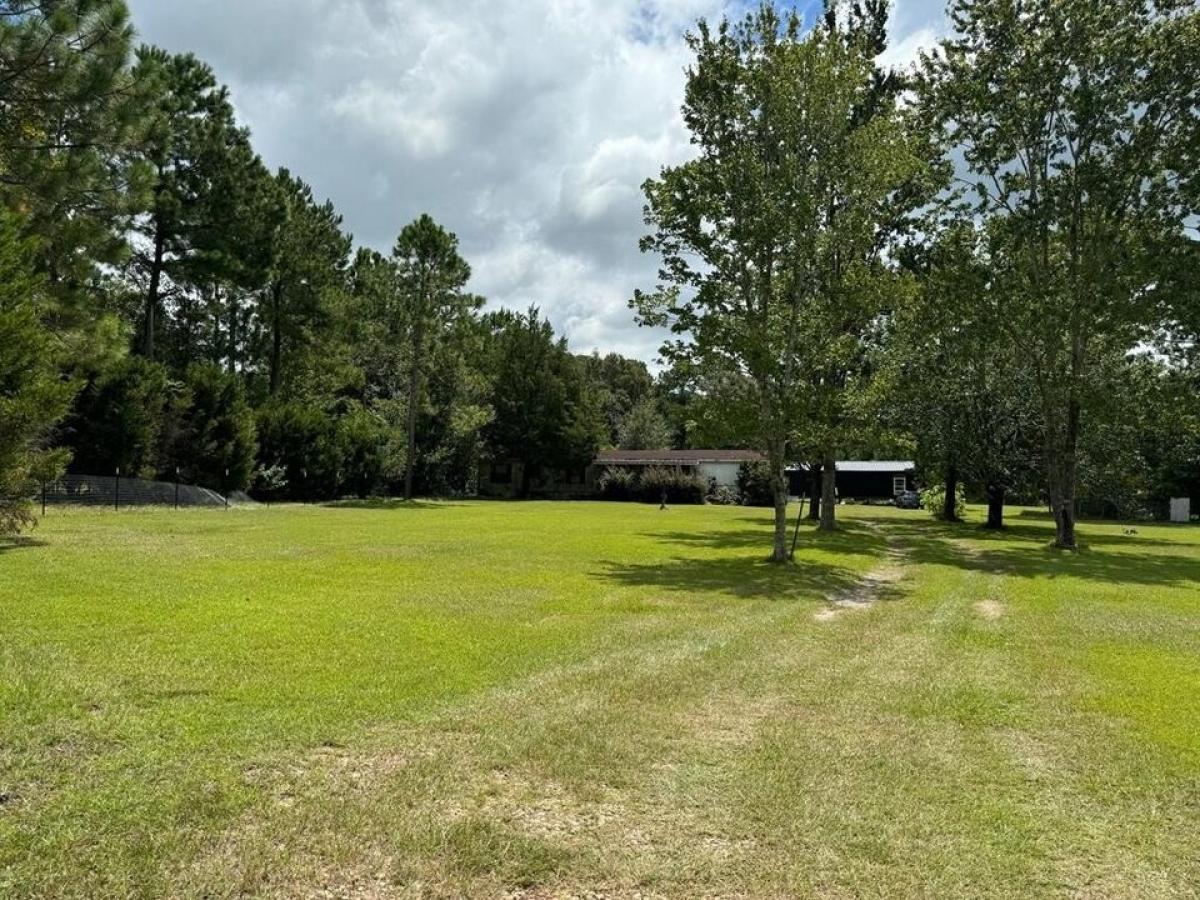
<point>696,457</point>
<point>881,465</point>
<point>674,457</point>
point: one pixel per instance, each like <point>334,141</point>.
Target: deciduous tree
<point>1076,123</point>
<point>771,237</point>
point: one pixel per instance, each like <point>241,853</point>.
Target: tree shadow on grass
<point>20,542</point>
<point>855,542</point>
<point>1025,552</point>
<point>745,571</point>
<point>737,576</point>
<point>387,504</point>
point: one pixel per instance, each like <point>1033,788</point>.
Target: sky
<point>524,126</point>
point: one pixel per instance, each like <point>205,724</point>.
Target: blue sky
<point>525,126</point>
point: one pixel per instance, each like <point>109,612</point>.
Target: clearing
<point>593,700</point>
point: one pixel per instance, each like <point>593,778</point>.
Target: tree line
<point>171,308</point>
<point>988,260</point>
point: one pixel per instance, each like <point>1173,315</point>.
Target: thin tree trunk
<point>950,502</point>
<point>414,389</point>
<point>1068,475</point>
<point>829,493</point>
<point>814,492</point>
<point>779,488</point>
<point>996,496</point>
<point>152,295</point>
<point>276,336</point>
<point>233,334</point>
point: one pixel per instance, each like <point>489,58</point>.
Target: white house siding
<point>722,473</point>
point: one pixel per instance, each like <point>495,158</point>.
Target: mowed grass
<point>593,700</point>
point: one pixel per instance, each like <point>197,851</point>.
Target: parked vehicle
<point>908,500</point>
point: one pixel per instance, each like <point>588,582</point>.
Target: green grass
<point>501,700</point>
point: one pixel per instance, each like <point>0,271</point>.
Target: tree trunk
<point>234,324</point>
<point>414,389</point>
<point>152,295</point>
<point>779,488</point>
<point>814,495</point>
<point>829,493</point>
<point>995,517</point>
<point>276,336</point>
<point>1067,473</point>
<point>950,502</point>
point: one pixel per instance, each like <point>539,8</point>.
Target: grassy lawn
<point>592,700</point>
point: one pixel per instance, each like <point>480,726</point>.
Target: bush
<point>675,485</point>
<point>650,485</point>
<point>754,484</point>
<point>118,419</point>
<point>364,440</point>
<point>214,439</point>
<point>934,500</point>
<point>304,442</point>
<point>618,484</point>
<point>722,495</point>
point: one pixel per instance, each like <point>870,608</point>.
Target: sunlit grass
<point>473,699</point>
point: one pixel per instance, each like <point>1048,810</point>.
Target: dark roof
<point>674,457</point>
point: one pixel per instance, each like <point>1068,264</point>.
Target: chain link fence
<point>115,492</point>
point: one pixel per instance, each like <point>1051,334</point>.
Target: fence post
<point>227,489</point>
<point>177,487</point>
<point>117,491</point>
<point>43,499</point>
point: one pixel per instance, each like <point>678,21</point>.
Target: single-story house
<point>861,480</point>
<point>721,466</point>
<point>502,479</point>
<point>875,480</point>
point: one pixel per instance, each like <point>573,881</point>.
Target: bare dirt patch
<point>871,588</point>
<point>990,609</point>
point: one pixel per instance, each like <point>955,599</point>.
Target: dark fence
<point>116,492</point>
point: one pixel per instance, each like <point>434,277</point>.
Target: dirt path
<point>874,586</point>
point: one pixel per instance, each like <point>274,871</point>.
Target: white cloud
<point>526,126</point>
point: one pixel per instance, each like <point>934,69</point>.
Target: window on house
<point>899,484</point>
<point>501,473</point>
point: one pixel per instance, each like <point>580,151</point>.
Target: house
<point>503,479</point>
<point>721,466</point>
<point>877,480</point>
<point>861,480</point>
<point>506,480</point>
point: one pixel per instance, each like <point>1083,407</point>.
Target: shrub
<point>363,440</point>
<point>651,484</point>
<point>754,484</point>
<point>722,495</point>
<point>303,441</point>
<point>270,483</point>
<point>618,484</point>
<point>675,485</point>
<point>934,500</point>
<point>118,419</point>
<point>214,439</point>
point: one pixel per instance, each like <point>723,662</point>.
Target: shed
<point>862,479</point>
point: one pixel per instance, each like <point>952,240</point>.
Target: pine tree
<point>32,395</point>
<point>190,114</point>
<point>431,277</point>
<point>72,114</point>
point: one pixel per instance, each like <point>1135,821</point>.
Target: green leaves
<point>772,237</point>
<point>1077,124</point>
